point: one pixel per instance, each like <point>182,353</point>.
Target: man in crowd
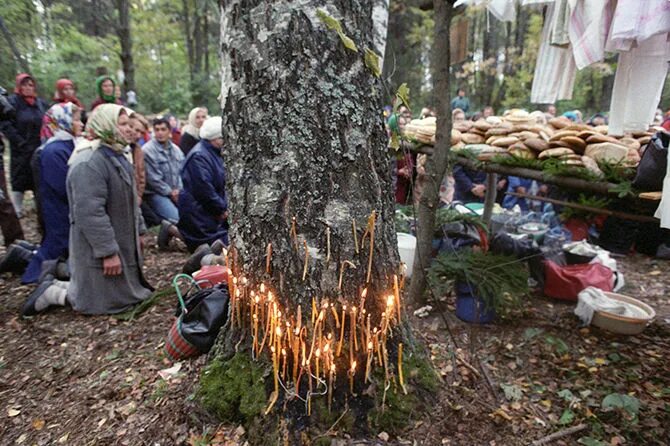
<point>163,161</point>
<point>461,102</point>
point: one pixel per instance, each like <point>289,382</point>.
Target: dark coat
<point>187,142</point>
<point>105,220</point>
<point>23,132</point>
<point>54,204</point>
<point>465,179</point>
<point>203,199</point>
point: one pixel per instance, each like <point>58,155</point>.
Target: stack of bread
<point>527,135</point>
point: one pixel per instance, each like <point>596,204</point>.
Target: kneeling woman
<point>64,124</point>
<point>105,225</point>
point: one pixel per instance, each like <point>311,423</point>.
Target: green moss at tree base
<point>234,389</point>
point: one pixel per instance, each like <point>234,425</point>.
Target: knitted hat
<point>211,128</point>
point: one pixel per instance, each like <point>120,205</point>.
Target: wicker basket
<point>621,324</point>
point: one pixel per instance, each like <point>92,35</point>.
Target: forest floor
<point>78,380</point>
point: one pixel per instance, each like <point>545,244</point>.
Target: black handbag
<point>652,168</point>
<point>200,317</point>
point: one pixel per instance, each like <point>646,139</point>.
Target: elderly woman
<point>23,132</point>
<point>105,253</point>
<point>64,122</point>
<point>203,205</point>
<point>191,131</point>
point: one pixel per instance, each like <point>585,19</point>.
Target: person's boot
<point>15,260</point>
<point>218,247</point>
<point>164,235</point>
<point>27,245</point>
<point>45,295</point>
<point>193,263</point>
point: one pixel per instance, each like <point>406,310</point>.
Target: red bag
<point>566,282</point>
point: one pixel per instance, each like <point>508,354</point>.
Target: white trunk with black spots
<point>304,138</point>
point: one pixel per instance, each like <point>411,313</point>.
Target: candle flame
<point>389,300</point>
<point>370,345</point>
<point>353,366</point>
<point>262,287</point>
<point>364,292</point>
<point>318,352</point>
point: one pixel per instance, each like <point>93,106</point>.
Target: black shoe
<point>164,235</point>
<point>28,308</point>
<point>27,245</point>
<point>193,263</point>
<point>217,247</point>
<point>15,260</point>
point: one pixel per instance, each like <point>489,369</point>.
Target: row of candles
<point>314,348</point>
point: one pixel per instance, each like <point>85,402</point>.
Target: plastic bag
<point>566,282</point>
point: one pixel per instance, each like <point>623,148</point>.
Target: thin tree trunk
<point>126,42</point>
<point>437,164</point>
<point>12,45</point>
<point>186,22</point>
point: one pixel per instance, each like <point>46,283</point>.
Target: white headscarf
<point>191,128</point>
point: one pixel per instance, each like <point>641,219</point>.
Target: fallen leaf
<point>171,372</point>
<point>38,424</point>
<point>63,439</point>
<point>21,438</point>
<point>13,412</point>
<point>502,413</point>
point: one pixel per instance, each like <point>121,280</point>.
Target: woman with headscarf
<point>106,88</point>
<point>105,225</point>
<point>65,92</point>
<point>23,132</point>
<point>64,122</point>
<point>191,131</point>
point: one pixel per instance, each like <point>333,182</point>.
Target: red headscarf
<point>60,97</point>
<point>20,79</point>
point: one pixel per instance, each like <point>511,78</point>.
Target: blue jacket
<point>203,199</point>
<point>54,202</point>
<point>513,184</point>
<point>464,180</point>
<point>163,164</point>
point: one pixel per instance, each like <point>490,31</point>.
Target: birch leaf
<point>372,62</point>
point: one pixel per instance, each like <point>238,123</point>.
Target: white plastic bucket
<point>406,248</point>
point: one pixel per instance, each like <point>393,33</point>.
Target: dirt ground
<point>77,380</point>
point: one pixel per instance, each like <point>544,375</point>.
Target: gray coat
<point>104,220</point>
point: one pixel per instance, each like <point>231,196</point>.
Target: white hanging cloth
<point>555,68</point>
<point>638,84</point>
<point>663,211</point>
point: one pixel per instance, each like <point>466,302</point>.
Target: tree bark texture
<point>304,139</point>
<point>126,42</point>
<point>437,164</point>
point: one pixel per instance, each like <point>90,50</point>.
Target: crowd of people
<point>100,177</point>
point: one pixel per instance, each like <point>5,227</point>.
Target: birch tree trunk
<point>309,173</point>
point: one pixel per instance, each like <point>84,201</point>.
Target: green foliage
<point>402,96</point>
<point>515,161</point>
<point>73,39</point>
<point>234,389</point>
<point>372,62</point>
<point>335,25</point>
<point>557,168</point>
<point>592,201</point>
<point>627,404</point>
<point>501,281</point>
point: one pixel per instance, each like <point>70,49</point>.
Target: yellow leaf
<point>372,62</point>
<point>503,414</point>
<point>582,365</point>
<point>38,424</point>
<point>600,361</point>
<point>63,439</point>
<point>654,273</point>
<point>348,43</point>
<point>546,403</point>
<point>13,412</point>
<point>593,369</point>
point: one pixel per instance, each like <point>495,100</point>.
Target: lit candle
<point>352,372</point>
<point>353,321</point>
<point>283,370</point>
